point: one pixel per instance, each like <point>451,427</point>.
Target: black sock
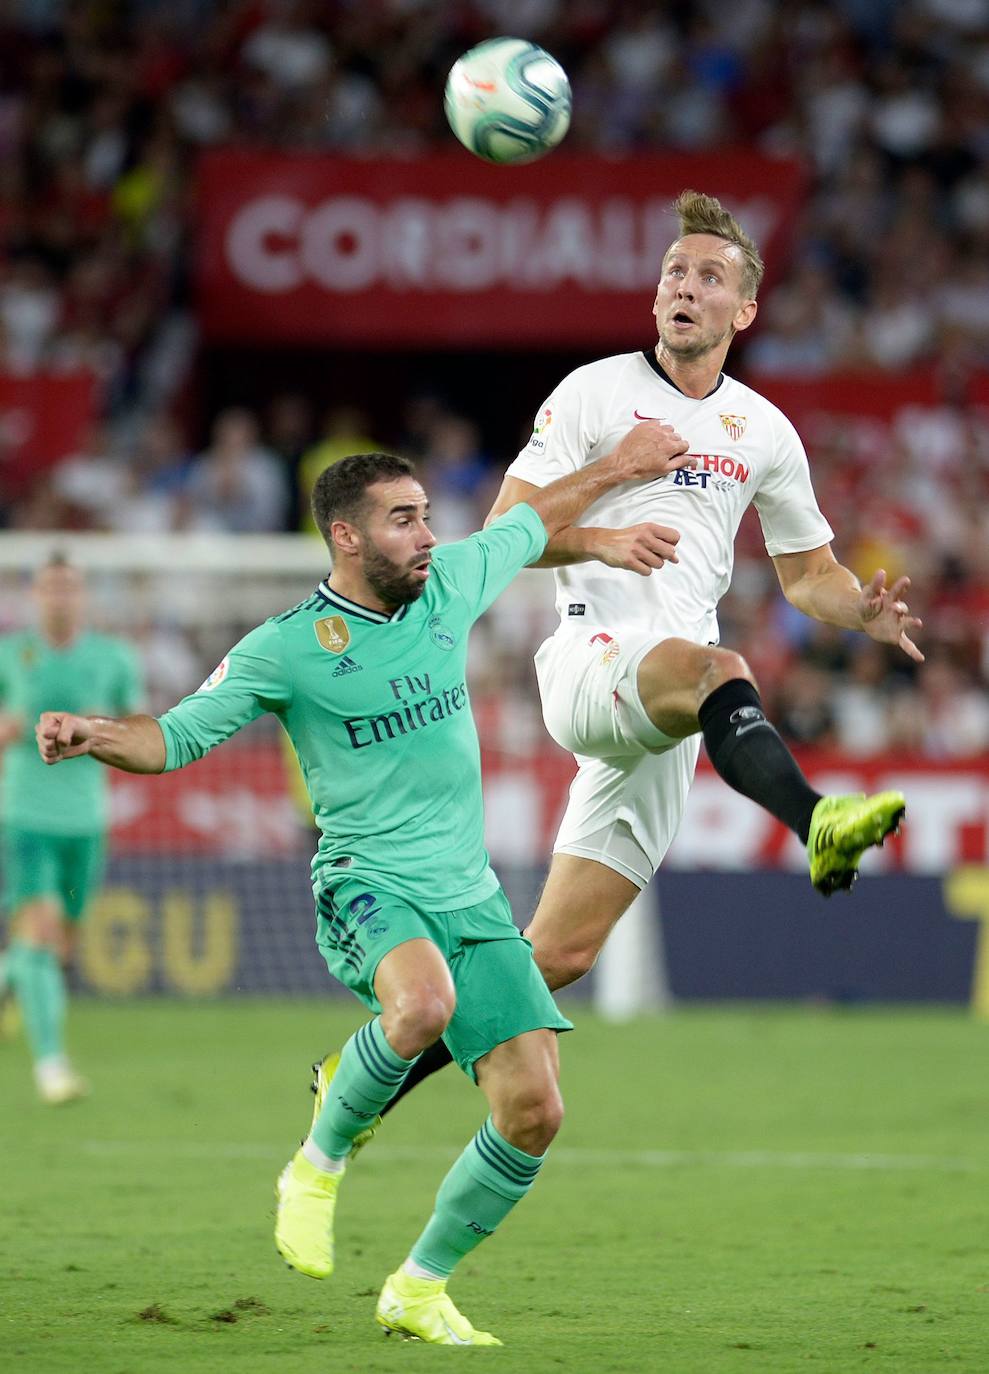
<point>432,1059</point>
<point>748,753</point>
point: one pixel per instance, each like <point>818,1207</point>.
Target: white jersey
<point>743,449</point>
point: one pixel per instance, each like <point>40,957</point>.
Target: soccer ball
<point>508,101</point>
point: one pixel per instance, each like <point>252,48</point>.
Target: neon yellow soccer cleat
<point>307,1199</point>
<point>842,829</point>
<point>419,1309</point>
<point>322,1076</point>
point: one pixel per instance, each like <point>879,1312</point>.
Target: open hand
<point>886,616</point>
<point>62,736</point>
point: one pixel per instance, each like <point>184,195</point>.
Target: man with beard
<point>368,677</point>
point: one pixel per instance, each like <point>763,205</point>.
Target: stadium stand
<point>105,110</point>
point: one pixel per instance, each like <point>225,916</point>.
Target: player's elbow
<point>512,491</point>
<point>800,594</point>
<point>499,509</point>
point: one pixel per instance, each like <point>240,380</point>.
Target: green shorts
<point>500,991</point>
<point>66,867</point>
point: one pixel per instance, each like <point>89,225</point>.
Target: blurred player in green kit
<point>368,677</point>
<point>53,825</point>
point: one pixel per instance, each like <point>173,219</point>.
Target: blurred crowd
<point>104,107</point>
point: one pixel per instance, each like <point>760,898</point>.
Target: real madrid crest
<point>441,635</point>
<point>734,425</point>
<point>333,633</point>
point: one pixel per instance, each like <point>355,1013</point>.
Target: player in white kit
<point>634,676</point>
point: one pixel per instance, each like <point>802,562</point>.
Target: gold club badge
<point>734,425</point>
<point>332,633</point>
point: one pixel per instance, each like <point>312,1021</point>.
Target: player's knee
<point>562,965</point>
<point>532,1117</point>
<point>418,1018</point>
<point>549,1117</point>
<point>40,924</point>
<point>721,666</point>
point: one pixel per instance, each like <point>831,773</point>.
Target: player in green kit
<point>368,676</point>
<point>53,824</point>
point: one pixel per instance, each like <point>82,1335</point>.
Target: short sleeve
<point>788,511</point>
<point>561,437</point>
<point>251,680</point>
<point>481,567</point>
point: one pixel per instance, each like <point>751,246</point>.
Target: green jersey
<point>378,711</point>
<point>94,675</point>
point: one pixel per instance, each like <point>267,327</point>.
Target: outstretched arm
<point>649,451</point>
<point>817,584</point>
<point>251,679</point>
<point>134,744</point>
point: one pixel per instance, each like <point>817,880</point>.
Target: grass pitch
<point>758,1191</point>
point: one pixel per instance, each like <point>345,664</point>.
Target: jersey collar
<point>342,603</point>
<point>650,356</point>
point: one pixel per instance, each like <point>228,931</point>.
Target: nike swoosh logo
<point>660,418</point>
<point>752,725</point>
<point>457,1340</point>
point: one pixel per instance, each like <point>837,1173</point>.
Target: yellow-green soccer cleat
<point>322,1076</point>
<point>307,1199</point>
<point>420,1310</point>
<point>842,829</point>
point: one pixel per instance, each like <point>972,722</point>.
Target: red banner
<point>43,417</point>
<point>448,250</point>
<point>236,803</point>
<point>867,395</point>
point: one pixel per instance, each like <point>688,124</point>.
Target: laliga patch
<point>543,421</point>
<point>217,675</point>
<point>333,633</point>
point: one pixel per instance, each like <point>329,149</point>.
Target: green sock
<point>39,984</point>
<point>486,1182</point>
<point>369,1075</point>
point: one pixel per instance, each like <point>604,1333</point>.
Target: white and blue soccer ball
<point>508,101</point>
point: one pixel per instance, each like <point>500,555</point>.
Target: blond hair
<point>700,214</point>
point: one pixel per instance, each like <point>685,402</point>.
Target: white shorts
<point>627,800</point>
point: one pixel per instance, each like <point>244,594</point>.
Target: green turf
<point>734,1190</point>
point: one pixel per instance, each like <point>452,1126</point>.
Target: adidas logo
<point>347,665</point>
